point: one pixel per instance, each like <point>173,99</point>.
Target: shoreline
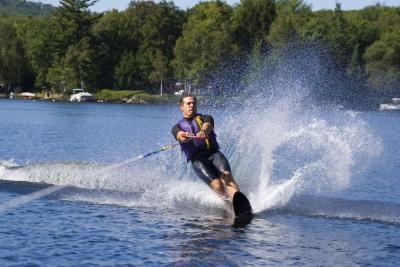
<point>135,98</point>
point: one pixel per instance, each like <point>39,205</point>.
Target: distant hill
<point>24,8</point>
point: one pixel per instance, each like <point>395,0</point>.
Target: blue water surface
<point>118,221</point>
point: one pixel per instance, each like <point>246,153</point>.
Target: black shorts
<point>210,166</point>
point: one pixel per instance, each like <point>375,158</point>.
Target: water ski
<point>242,209</point>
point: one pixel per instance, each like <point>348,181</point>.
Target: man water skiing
<point>195,133</point>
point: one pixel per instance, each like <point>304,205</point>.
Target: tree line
<point>23,7</point>
<point>152,44</point>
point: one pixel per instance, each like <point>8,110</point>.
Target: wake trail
<point>22,200</point>
<point>19,201</point>
<point>120,184</point>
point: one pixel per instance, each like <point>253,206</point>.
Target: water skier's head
<point>188,105</point>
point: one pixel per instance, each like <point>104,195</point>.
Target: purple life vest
<point>196,145</point>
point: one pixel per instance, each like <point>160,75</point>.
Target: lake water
<point>324,186</point>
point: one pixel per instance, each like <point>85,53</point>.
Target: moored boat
<point>79,95</point>
<point>393,106</point>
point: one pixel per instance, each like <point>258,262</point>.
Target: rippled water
<point>324,185</point>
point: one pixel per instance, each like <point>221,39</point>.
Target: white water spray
<point>288,152</point>
<point>277,143</point>
<point>284,149</point>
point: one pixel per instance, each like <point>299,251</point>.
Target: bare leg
<point>218,187</point>
<point>231,187</point>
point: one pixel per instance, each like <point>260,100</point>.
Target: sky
<point>103,5</point>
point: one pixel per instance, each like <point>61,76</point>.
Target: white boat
<point>27,95</point>
<point>79,95</point>
<point>180,92</point>
<point>393,106</point>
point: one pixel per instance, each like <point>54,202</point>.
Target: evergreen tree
<point>74,22</point>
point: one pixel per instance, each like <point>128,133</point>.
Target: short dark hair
<point>184,95</point>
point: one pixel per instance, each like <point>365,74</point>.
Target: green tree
<point>361,33</point>
<point>252,20</point>
<point>256,61</point>
<point>23,7</point>
<point>292,15</point>
<point>355,68</point>
<point>127,72</point>
<point>160,68</point>
<point>152,30</point>
<point>206,41</point>
<point>56,76</point>
<point>14,66</point>
<point>388,18</point>
<point>40,47</point>
<point>338,38</point>
<point>135,40</point>
<point>74,22</point>
<point>333,30</point>
<point>383,61</point>
<point>78,60</point>
<point>374,21</point>
<point>112,42</point>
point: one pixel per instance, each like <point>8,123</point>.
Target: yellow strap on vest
<point>200,124</point>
